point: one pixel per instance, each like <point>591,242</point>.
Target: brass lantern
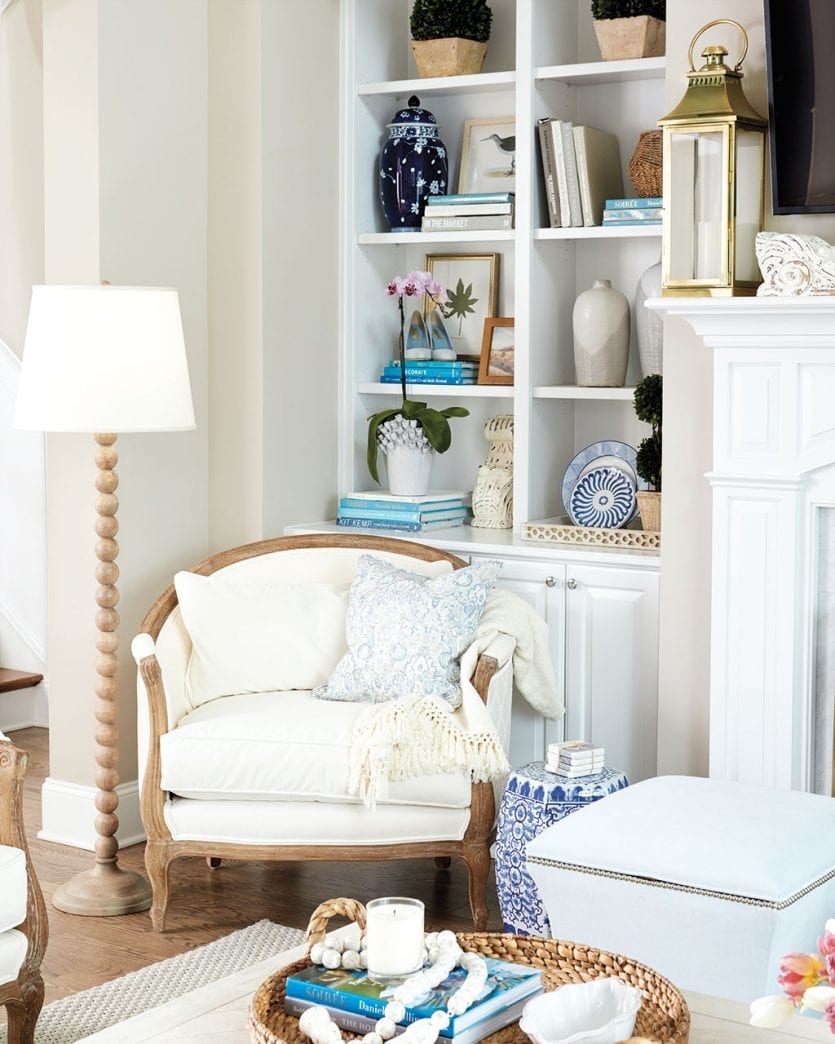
<point>714,181</point>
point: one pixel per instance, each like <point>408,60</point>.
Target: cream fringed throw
<point>404,738</point>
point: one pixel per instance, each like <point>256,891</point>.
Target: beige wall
<point>21,166</point>
<point>125,200</point>
<point>684,669</point>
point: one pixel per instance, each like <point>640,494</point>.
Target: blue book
<point>405,507</point>
<point>433,366</point>
<point>404,527</point>
<point>357,992</point>
<point>453,378</point>
<point>469,197</point>
<point>635,202</point>
<point>397,516</point>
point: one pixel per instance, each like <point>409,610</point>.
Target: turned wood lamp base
<point>105,891</point>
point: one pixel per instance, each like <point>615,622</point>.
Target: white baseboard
<point>23,708</point>
<point>69,814</point>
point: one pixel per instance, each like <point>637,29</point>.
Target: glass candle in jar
<point>394,934</point>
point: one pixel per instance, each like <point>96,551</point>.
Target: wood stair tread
<point>12,680</point>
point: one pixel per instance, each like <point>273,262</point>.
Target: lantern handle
<point>710,25</point>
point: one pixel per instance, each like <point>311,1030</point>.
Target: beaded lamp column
<point>123,891</point>
<point>104,359</point>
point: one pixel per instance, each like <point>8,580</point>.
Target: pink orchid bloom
<point>396,287</point>
<point>829,1016</point>
<point>798,971</point>
<point>826,945</point>
<point>420,279</point>
<point>436,291</point>
<point>412,289</point>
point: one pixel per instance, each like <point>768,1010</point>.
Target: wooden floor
<point>206,904</point>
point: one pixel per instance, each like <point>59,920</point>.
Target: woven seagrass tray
<point>663,1017</point>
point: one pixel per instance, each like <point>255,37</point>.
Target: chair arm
<point>152,799</point>
<point>13,764</point>
<point>493,680</point>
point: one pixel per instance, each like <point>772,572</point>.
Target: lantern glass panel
<point>749,189</point>
<point>698,202</point>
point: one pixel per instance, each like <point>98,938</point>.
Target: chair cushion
<point>288,746</point>
<point>13,946</point>
<point>12,887</point>
<point>253,635</point>
<point>406,632</point>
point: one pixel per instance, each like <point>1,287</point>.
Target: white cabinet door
<point>611,667</point>
<point>543,586</point>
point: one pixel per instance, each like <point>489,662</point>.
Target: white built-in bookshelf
<point>542,61</point>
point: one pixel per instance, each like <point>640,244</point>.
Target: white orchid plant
<point>435,423</point>
<point>808,984</point>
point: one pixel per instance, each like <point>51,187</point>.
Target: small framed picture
<point>497,365</point>
<point>488,155</point>
<point>471,282</point>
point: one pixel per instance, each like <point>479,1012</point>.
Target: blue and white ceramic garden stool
<point>534,799</point>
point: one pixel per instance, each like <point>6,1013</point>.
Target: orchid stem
<point>402,350</point>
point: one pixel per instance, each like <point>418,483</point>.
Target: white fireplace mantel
<point>773,472</point>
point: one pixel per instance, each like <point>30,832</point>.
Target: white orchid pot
<point>408,456</point>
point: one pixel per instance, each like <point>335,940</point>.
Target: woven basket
<point>663,1016</point>
<point>645,167</point>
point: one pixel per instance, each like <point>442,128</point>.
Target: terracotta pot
<point>449,56</point>
<point>639,37</point>
<point>649,505</point>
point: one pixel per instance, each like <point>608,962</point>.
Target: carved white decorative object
<point>493,494</point>
<point>793,264</point>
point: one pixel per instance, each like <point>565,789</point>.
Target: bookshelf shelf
<point>583,73</point>
<point>439,86</point>
<point>573,391</point>
<point>478,236</point>
<point>601,232</point>
<point>435,391</point>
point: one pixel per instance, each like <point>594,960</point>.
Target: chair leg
<point>443,862</point>
<point>477,858</point>
<point>157,862</point>
<point>22,1013</point>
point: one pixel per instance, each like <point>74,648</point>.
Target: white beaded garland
<point>444,954</point>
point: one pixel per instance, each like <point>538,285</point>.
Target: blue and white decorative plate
<point>610,448</point>
<point>603,497</point>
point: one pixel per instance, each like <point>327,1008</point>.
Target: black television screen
<point>800,54</point>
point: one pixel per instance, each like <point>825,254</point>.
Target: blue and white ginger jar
<point>413,165</point>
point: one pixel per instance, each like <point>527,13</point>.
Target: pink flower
<point>420,279</point>
<point>411,289</point>
<point>826,945</point>
<point>798,971</point>
<point>829,1015</point>
<point>396,287</point>
<point>436,291</point>
<point>830,968</point>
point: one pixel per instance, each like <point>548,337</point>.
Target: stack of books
<point>467,212</point>
<point>581,167</point>
<point>432,371</point>
<point>633,211</point>
<point>575,759</point>
<point>355,1001</point>
<point>438,510</point>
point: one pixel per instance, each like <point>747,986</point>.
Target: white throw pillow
<point>406,632</point>
<point>251,636</point>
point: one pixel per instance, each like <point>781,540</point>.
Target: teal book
<point>429,378</point>
<point>357,992</point>
<point>400,506</point>
<point>396,523</point>
<point>469,197</point>
<point>635,202</point>
<point>402,516</point>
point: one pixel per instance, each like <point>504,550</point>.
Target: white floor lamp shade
<point>104,359</point>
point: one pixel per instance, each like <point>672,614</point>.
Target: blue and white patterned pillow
<point>406,632</point>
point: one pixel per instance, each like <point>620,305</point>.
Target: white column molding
<point>773,470</point>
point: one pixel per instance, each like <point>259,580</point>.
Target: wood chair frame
<point>162,849</point>
<point>23,998</point>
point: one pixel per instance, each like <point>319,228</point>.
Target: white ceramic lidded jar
<point>601,336</point>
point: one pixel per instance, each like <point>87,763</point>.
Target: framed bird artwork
<point>488,155</point>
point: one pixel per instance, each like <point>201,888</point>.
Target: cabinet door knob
<point>571,584</point>
<point>550,581</point>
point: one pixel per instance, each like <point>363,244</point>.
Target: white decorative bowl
<point>600,1012</point>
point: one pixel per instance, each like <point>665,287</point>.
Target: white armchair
<point>264,775</point>
<point>23,924</point>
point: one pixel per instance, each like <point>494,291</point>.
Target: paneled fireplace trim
<point>773,470</point>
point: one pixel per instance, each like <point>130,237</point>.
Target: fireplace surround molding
<point>773,487</point>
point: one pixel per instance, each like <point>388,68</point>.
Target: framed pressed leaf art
<point>472,286</point>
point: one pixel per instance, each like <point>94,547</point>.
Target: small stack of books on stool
<point>575,759</point>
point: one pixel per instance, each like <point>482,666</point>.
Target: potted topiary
<point>449,37</point>
<point>412,433</point>
<point>629,28</point>
<point>648,400</point>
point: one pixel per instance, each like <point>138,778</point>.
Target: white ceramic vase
<point>649,324</point>
<point>601,336</point>
<point>408,469</point>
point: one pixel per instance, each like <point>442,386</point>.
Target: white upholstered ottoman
<point>708,882</point>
